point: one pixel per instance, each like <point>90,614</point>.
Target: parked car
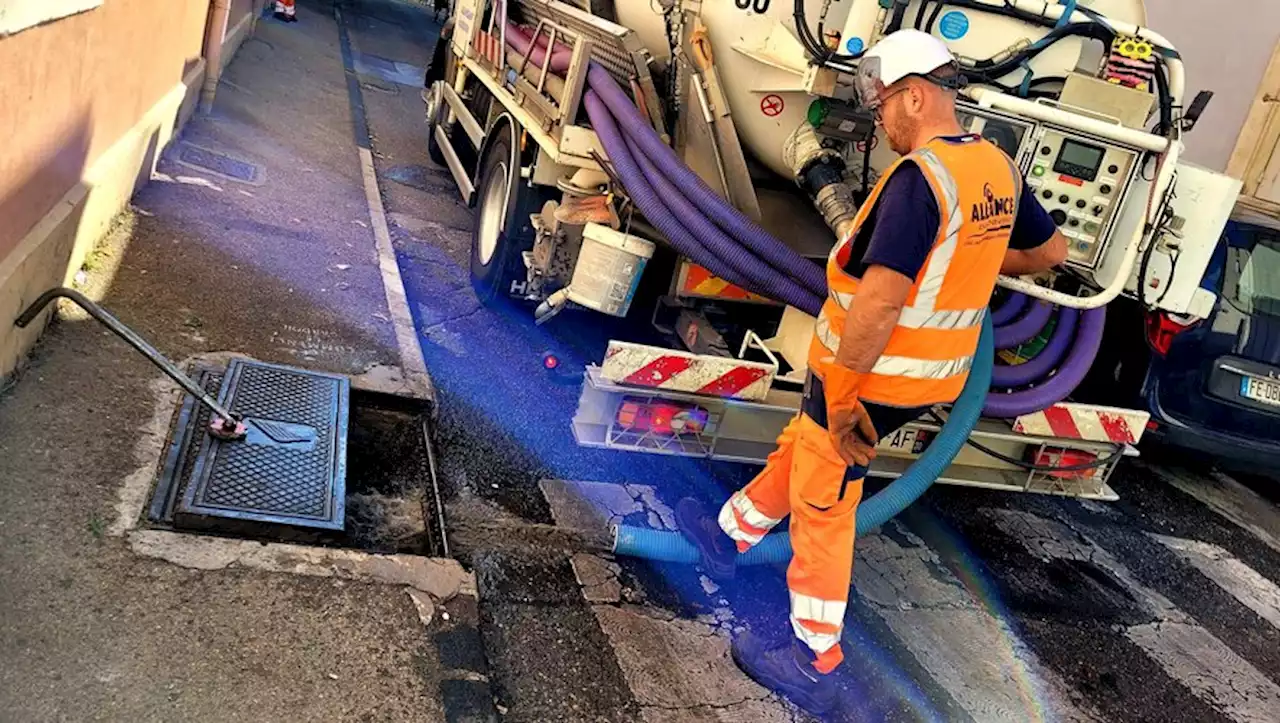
<point>1214,387</point>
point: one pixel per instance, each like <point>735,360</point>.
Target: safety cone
<point>285,11</point>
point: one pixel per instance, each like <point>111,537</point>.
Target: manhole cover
<point>220,164</point>
<point>419,177</point>
<point>393,71</point>
<point>291,469</point>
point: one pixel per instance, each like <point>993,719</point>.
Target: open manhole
<point>322,464</point>
<point>220,164</point>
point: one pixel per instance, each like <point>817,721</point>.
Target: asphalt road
<point>972,606</point>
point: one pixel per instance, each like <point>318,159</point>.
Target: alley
<point>972,606</point>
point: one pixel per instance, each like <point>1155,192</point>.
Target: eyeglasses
<point>878,111</point>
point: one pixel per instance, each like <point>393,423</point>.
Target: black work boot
<point>786,670</point>
<point>718,550</point>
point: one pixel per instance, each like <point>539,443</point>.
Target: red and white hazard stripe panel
<point>658,368</point>
<point>1090,422</point>
<point>487,45</point>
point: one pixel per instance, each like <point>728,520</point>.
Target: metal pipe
<point>991,98</point>
<point>135,341</point>
<point>215,33</point>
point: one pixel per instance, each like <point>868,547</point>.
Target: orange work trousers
<point>806,478</point>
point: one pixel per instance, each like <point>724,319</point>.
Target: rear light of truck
<point>1161,330</point>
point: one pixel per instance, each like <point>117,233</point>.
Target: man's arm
<point>1035,244</point>
<point>1018,262</point>
<point>867,328</point>
<point>872,317</point>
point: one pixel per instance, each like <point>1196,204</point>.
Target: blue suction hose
<point>880,508</point>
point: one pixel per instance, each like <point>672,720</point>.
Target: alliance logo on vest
<point>992,214</point>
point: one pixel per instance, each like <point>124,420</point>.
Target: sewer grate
<point>291,468</point>
<point>219,164</point>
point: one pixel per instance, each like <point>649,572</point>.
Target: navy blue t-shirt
<point>900,231</point>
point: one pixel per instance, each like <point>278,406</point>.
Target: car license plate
<point>1260,390</point>
<point>911,441</point>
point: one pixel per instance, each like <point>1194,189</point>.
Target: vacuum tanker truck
<point>692,162</point>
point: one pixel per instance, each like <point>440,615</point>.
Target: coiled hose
<point>876,510</point>
<point>1044,363</point>
<point>1068,376</point>
<point>1026,327</point>
<point>1010,309</point>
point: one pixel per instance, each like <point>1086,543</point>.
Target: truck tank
<point>762,63</point>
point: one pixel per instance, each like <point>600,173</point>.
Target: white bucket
<point>609,269</point>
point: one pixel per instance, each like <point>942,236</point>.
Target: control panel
<point>1082,183</point>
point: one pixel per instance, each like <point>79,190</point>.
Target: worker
<point>285,11</point>
<point>909,286</point>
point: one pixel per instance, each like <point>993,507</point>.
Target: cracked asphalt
<point>972,606</point>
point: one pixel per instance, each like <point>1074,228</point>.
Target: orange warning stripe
<point>698,281</point>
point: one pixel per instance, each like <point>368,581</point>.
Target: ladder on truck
<point>1071,449</point>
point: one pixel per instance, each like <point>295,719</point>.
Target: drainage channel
<point>271,452</point>
<point>363,479</point>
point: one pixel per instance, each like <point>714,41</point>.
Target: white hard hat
<point>898,55</point>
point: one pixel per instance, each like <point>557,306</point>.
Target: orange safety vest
<point>930,351</point>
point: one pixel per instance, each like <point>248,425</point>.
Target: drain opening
<point>220,164</point>
<point>389,504</point>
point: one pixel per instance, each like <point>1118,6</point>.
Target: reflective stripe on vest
<point>940,260</point>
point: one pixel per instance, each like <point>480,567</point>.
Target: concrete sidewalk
<point>283,268</point>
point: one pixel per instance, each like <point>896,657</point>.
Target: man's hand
<point>852,433</point>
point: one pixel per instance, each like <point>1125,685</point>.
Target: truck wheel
<point>437,109</point>
<point>497,267</point>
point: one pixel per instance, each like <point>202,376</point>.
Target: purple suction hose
<point>1039,367</point>
<point>775,253</point>
<point>651,203</point>
<point>732,254</point>
<point>761,243</point>
<point>1064,382</point>
<point>1010,309</point>
<point>1025,328</point>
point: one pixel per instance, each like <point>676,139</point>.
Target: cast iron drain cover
<point>219,164</point>
<point>419,177</point>
<point>291,468</point>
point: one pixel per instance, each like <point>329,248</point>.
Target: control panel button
<point>1099,210</point>
<point>1064,198</point>
<point>1073,222</point>
<point>1083,245</point>
<point>1081,203</point>
<point>1105,190</point>
<point>1113,169</point>
<point>1058,215</point>
<point>1045,150</point>
<point>1037,171</point>
<point>1048,194</point>
<point>1090,227</point>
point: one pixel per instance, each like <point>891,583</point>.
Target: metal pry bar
<point>225,424</point>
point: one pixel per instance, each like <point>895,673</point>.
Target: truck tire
<point>497,267</point>
<point>437,108</point>
<point>440,71</point>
